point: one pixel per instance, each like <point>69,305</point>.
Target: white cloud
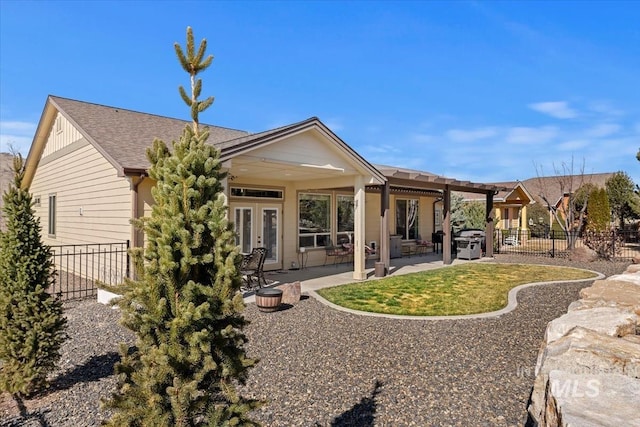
<point>381,149</point>
<point>557,109</point>
<point>602,130</point>
<point>17,135</point>
<point>460,135</point>
<point>15,142</point>
<point>605,107</point>
<point>573,145</point>
<point>530,135</point>
<point>421,137</point>
<point>21,127</point>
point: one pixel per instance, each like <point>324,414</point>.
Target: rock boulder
<point>583,254</point>
<point>583,351</point>
<point>612,321</point>
<point>606,400</point>
<point>291,292</point>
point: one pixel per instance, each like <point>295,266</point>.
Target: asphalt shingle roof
<point>124,135</point>
<point>550,184</point>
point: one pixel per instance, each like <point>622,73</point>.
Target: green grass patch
<point>463,289</point>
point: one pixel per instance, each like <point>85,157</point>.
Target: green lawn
<point>463,289</point>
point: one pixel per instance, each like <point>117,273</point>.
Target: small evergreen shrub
<point>32,325</point>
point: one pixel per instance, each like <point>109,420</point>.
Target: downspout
<point>436,201</point>
<point>446,227</point>
<point>489,224</point>
<point>134,207</point>
<point>384,249</point>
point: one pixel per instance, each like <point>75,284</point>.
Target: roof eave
<point>314,122</point>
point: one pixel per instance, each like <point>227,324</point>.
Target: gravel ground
<point>322,367</point>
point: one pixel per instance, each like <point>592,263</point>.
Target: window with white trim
<point>260,193</point>
<point>52,215</point>
<point>407,218</point>
<point>314,220</point>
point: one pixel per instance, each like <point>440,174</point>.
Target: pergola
<point>417,182</point>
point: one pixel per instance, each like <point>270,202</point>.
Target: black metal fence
<point>618,245</point>
<point>79,268</point>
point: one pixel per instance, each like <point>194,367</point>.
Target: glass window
<point>505,219</point>
<point>345,219</point>
<point>407,218</point>
<point>314,221</point>
<point>243,222</point>
<point>52,214</point>
<point>262,193</point>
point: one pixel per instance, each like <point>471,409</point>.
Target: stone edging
<point>512,302</point>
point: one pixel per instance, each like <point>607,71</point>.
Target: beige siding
<point>372,219</point>
<point>63,134</point>
<point>305,147</point>
<point>93,203</point>
<point>427,218</point>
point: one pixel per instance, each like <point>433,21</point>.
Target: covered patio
<point>318,277</point>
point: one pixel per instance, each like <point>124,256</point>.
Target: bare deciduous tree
<point>559,194</point>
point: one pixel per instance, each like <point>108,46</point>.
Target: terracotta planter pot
<point>268,299</point>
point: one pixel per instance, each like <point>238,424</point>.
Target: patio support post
<point>489,226</point>
<point>225,192</point>
<point>359,272</point>
<point>383,246</point>
<point>446,227</point>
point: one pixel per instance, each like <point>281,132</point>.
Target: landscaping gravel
<point>322,367</point>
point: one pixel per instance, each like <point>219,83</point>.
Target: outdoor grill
<point>469,244</point>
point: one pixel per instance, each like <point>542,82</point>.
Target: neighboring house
<point>510,205</point>
<point>297,186</point>
<point>556,189</point>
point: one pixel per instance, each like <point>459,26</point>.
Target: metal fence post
<point>128,261</point>
<point>613,244</point>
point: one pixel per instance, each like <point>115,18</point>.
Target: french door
<point>258,225</point>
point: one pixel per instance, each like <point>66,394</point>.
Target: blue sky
<point>480,91</point>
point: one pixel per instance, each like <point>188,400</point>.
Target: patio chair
<point>338,253</point>
<point>512,238</point>
<point>252,267</point>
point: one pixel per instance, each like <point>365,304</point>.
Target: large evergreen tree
<point>475,215</point>
<point>185,308</point>
<point>598,211</point>
<point>598,235</point>
<point>622,198</point>
<point>32,325</point>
